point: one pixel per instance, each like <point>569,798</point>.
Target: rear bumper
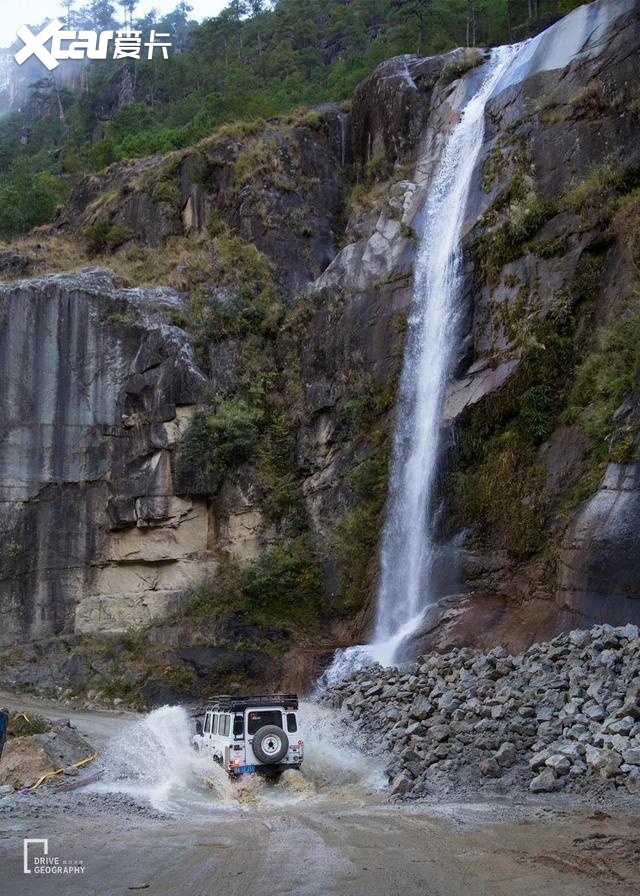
<point>266,770</point>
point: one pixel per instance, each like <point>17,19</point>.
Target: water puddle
<point>153,762</point>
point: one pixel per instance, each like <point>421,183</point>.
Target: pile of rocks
<point>27,757</point>
<point>565,714</point>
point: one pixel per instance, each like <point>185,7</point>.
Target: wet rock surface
<point>564,715</point>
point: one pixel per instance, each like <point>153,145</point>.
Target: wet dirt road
<point>324,840</point>
<point>363,851</point>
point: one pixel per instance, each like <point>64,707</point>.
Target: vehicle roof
<point>229,703</point>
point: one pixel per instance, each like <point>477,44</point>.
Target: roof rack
<point>229,703</point>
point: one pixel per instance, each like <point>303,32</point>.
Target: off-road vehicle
<point>251,734</point>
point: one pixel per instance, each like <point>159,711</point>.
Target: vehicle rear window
<point>257,720</point>
<point>292,724</point>
<point>238,726</point>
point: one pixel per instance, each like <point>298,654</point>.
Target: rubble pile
<point>565,714</point>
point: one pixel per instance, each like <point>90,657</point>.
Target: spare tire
<point>270,744</point>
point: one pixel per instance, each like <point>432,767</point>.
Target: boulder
<point>25,759</point>
<point>545,782</point>
<point>603,761</point>
<point>506,755</point>
<point>559,763</point>
<point>490,768</point>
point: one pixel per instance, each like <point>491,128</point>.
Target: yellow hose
<point>59,770</point>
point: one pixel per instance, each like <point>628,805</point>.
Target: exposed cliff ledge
<point>98,533</point>
<point>97,389</point>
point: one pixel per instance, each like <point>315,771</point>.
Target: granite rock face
<point>97,388</point>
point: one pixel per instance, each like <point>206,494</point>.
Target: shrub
<point>459,66</point>
<point>607,376</point>
<point>283,588</point>
<point>23,725</point>
<point>217,443</point>
<point>102,237</point>
<point>250,301</point>
<point>592,192</point>
<point>265,159</point>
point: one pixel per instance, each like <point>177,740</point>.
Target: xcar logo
<point>127,44</point>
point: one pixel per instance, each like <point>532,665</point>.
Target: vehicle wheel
<point>270,744</point>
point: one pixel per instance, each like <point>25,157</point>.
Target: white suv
<point>251,734</point>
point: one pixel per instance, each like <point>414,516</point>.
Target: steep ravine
<point>216,415</point>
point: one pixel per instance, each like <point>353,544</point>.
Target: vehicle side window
<point>292,724</point>
<point>259,719</point>
<point>227,725</point>
<point>238,726</point>
<point>214,726</point>
<point>207,723</point>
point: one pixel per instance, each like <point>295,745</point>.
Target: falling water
<point>408,542</point>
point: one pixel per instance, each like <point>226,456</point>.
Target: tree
<point>128,7</point>
<point>418,9</point>
<point>178,24</point>
<point>101,14</point>
<point>68,5</point>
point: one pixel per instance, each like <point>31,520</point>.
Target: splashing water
<point>408,546</point>
<point>152,761</point>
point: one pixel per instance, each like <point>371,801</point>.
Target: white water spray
<point>408,543</point>
<point>152,762</point>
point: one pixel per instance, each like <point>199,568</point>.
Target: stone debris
<point>26,759</point>
<point>562,715</point>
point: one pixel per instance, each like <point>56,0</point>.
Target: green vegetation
<point>456,68</point>
<point>607,376</point>
<point>497,487</point>
<point>246,298</point>
<point>282,589</point>
<point>519,213</point>
<point>218,442</point>
<point>504,238</point>
<point>28,197</point>
<point>103,237</point>
<point>25,725</point>
<point>252,61</point>
<point>625,225</point>
<point>567,373</point>
<point>355,539</point>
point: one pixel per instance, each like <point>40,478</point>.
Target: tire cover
<point>270,744</point>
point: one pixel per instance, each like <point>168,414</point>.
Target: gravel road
<point>357,845</point>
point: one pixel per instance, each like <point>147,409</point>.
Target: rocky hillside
<point>194,467</point>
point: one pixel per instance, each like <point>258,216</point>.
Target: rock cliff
<point>197,444</point>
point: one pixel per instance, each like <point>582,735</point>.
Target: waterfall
<point>408,543</point>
